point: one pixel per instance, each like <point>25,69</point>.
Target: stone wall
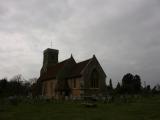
<point>74,84</point>
<point>48,88</point>
<point>88,91</point>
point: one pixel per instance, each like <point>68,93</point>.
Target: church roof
<point>75,70</point>
<point>52,71</point>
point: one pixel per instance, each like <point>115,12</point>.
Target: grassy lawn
<point>146,109</point>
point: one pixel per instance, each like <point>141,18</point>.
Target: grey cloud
<point>124,35</point>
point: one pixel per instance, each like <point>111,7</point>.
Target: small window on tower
<point>74,83</point>
<point>45,89</point>
<point>51,88</point>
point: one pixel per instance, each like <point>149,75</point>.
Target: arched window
<point>94,79</point>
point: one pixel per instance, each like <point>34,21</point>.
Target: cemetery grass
<point>146,109</point>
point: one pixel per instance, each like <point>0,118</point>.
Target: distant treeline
<point>131,84</point>
<point>18,86</point>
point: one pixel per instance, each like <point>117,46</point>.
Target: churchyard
<point>118,108</point>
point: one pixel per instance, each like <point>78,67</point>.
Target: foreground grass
<point>146,109</point>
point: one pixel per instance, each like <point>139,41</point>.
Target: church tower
<point>50,58</point>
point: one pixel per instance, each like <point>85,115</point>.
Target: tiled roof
<point>53,71</point>
<point>76,71</point>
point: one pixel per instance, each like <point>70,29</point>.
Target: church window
<point>94,79</point>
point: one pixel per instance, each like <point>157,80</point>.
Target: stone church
<point>69,78</point>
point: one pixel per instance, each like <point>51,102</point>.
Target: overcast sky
<point>123,34</point>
